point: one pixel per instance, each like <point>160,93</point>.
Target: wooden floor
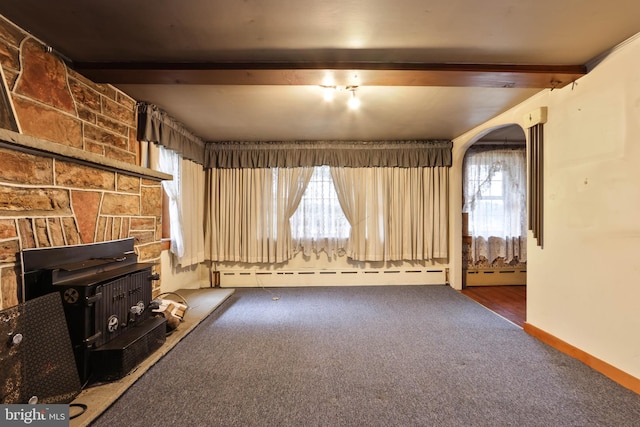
<point>509,302</point>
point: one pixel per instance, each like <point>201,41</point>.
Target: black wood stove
<point>105,295</point>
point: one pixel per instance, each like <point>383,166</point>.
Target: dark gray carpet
<point>367,356</point>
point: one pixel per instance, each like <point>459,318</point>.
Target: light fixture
<point>354,101</point>
<point>328,92</point>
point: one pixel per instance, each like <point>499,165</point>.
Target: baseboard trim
<point>624,379</point>
<point>347,277</point>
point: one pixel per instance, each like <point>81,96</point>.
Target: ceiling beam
<point>334,73</point>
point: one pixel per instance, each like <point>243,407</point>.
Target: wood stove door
<point>125,302</point>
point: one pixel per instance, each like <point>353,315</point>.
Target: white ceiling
<point>250,36</point>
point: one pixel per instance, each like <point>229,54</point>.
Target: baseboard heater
<point>496,276</point>
<point>365,277</point>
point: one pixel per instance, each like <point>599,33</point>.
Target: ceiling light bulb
<point>328,93</point>
<point>354,101</point>
<point>328,80</point>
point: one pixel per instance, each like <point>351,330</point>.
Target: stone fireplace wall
<point>53,201</point>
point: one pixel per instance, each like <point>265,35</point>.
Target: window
<point>490,202</point>
<point>495,198</point>
<point>269,215</point>
<point>319,223</point>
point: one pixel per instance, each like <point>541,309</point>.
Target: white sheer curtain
<point>395,213</point>
<point>495,199</point>
<point>169,162</point>
<point>186,206</point>
<point>248,213</point>
<point>319,224</point>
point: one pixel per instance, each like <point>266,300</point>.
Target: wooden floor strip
<point>509,302</point>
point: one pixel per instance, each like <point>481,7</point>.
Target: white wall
<point>584,285</point>
<point>333,271</point>
<point>173,277</point>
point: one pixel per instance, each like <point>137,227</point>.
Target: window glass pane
<point>495,189</point>
<point>319,219</point>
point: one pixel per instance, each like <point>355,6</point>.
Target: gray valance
<point>155,125</point>
<point>420,153</point>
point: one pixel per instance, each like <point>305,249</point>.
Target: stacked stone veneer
<point>46,201</point>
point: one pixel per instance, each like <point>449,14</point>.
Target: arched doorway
<point>494,222</point>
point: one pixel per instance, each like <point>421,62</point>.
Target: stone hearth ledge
<point>32,145</point>
<point>202,302</point>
